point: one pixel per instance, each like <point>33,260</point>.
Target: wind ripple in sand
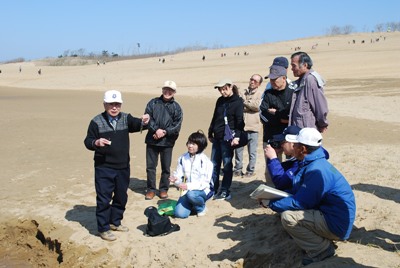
<point>26,175</point>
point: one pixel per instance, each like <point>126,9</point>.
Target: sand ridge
<point>48,197</point>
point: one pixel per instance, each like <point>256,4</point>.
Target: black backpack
<point>158,224</point>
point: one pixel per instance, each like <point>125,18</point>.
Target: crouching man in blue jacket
<point>323,208</point>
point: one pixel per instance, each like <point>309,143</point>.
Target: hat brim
<point>291,138</point>
<point>221,85</point>
<point>173,89</point>
<point>112,101</point>
<point>272,76</point>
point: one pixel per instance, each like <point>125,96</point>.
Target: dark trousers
<point>111,187</point>
<point>152,153</point>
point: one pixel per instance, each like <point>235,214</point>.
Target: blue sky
<point>47,28</point>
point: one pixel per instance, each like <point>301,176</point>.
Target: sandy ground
<point>48,197</point>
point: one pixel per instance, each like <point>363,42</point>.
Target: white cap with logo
<point>112,96</point>
<point>170,84</point>
<point>307,136</point>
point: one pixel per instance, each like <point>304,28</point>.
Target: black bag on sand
<point>157,224</point>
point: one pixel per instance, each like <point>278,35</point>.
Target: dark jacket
<point>234,112</point>
<point>165,115</point>
<point>281,101</point>
<point>322,187</point>
<point>115,155</point>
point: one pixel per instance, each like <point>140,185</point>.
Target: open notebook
<point>265,192</point>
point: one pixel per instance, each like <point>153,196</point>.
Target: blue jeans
<point>222,153</point>
<point>194,200</point>
<point>252,151</point>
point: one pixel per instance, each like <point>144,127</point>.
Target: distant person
<point>275,108</point>
<point>204,58</point>
<point>251,102</point>
<point>165,124</point>
<point>322,208</point>
<point>309,106</point>
<point>228,107</point>
<point>40,71</point>
<point>108,137</point>
<point>193,176</point>
<point>20,69</point>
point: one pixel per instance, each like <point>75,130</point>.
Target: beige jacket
<point>251,102</point>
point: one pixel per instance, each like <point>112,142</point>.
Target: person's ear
<point>303,149</point>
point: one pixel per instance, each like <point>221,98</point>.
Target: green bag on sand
<point>167,208</point>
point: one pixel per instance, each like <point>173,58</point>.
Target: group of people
<point>321,207</point>
<point>108,137</point>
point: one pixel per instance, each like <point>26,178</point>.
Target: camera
<point>274,144</point>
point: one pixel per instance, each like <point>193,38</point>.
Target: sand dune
<point>47,193</point>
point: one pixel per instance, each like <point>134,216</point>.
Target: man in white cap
<point>108,137</point>
<point>322,207</point>
<point>165,124</point>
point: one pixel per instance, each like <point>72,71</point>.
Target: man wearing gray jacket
<point>309,106</point>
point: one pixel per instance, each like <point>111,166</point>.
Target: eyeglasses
<point>254,80</point>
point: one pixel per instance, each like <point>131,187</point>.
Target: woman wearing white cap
<point>230,107</point>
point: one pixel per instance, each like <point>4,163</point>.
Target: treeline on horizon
<point>105,56</point>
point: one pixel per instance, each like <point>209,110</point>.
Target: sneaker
<point>108,236</point>
<point>120,228</point>
<point>238,173</point>
<point>203,213</point>
<point>329,252</point>
<point>216,196</point>
<point>223,196</point>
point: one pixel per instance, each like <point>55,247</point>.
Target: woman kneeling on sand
<point>193,177</point>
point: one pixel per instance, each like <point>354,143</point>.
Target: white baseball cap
<point>112,96</point>
<point>223,82</point>
<point>307,136</point>
<point>170,84</point>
